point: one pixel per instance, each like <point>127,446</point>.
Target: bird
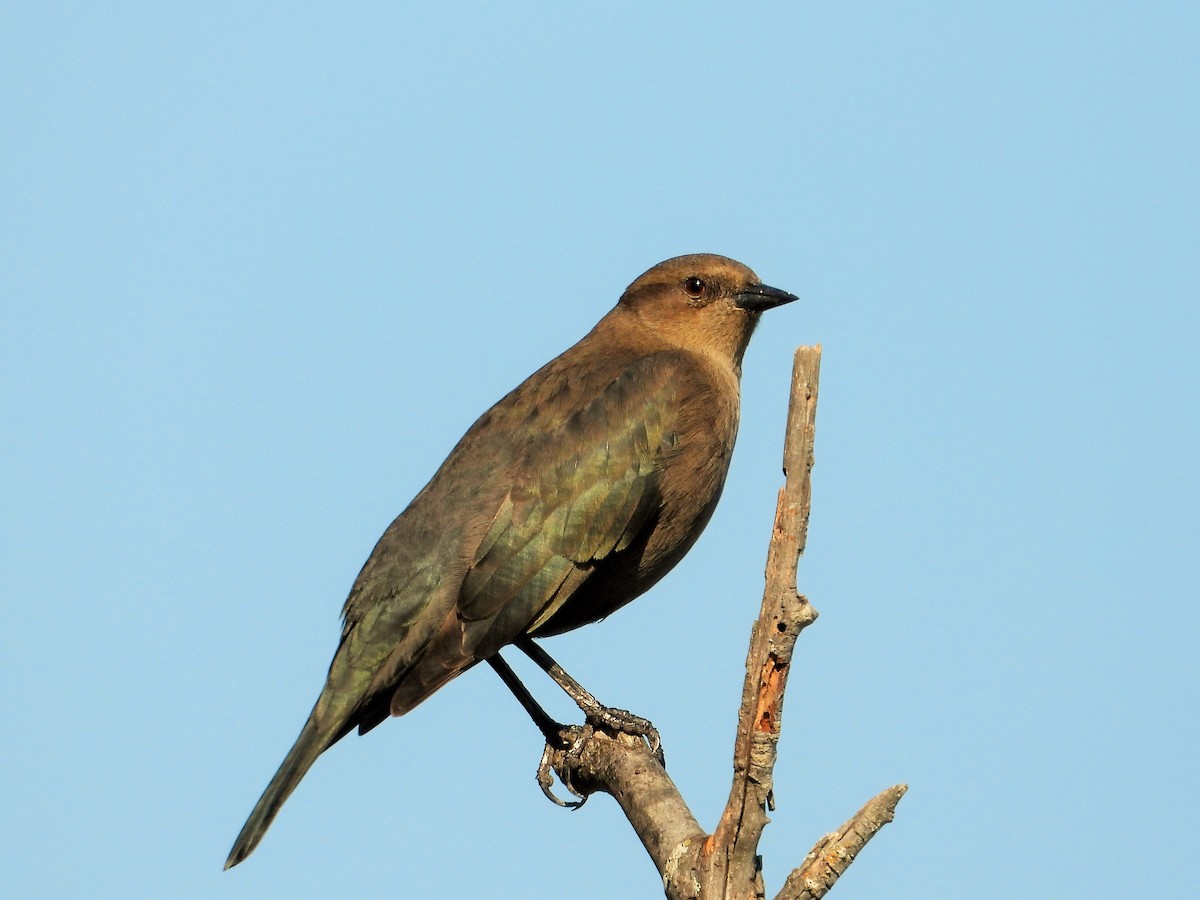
<point>568,498</point>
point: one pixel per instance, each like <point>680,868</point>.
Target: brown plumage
<point>567,499</point>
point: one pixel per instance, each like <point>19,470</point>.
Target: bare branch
<point>736,867</point>
<point>833,854</point>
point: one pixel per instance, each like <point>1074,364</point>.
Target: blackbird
<point>570,497</point>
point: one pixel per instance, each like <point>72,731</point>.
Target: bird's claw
<point>545,772</point>
<point>625,722</point>
<point>571,740</point>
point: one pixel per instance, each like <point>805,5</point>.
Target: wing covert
<point>582,492</point>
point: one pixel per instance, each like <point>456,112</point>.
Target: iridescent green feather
<point>584,491</point>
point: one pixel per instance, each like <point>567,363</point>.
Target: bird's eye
<point>694,286</point>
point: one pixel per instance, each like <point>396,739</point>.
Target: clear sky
<point>262,264</point>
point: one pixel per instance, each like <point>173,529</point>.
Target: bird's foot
<point>570,743</point>
<point>625,722</point>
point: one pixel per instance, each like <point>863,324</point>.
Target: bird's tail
<point>313,741</point>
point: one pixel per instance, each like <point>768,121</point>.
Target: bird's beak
<point>758,297</point>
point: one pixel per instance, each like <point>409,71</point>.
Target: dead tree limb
<point>725,864</point>
<point>833,853</point>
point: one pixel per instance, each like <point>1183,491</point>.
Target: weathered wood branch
<point>725,864</point>
<point>833,854</point>
<point>735,868</point>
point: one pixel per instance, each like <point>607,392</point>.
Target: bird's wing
<point>576,492</point>
<point>583,491</point>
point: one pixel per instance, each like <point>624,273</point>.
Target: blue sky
<point>262,265</point>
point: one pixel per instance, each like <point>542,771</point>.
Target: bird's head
<point>702,302</point>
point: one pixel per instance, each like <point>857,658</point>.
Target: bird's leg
<point>550,729</point>
<point>594,711</point>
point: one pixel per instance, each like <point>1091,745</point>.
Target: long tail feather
<point>311,743</point>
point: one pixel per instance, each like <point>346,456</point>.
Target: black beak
<point>758,297</point>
